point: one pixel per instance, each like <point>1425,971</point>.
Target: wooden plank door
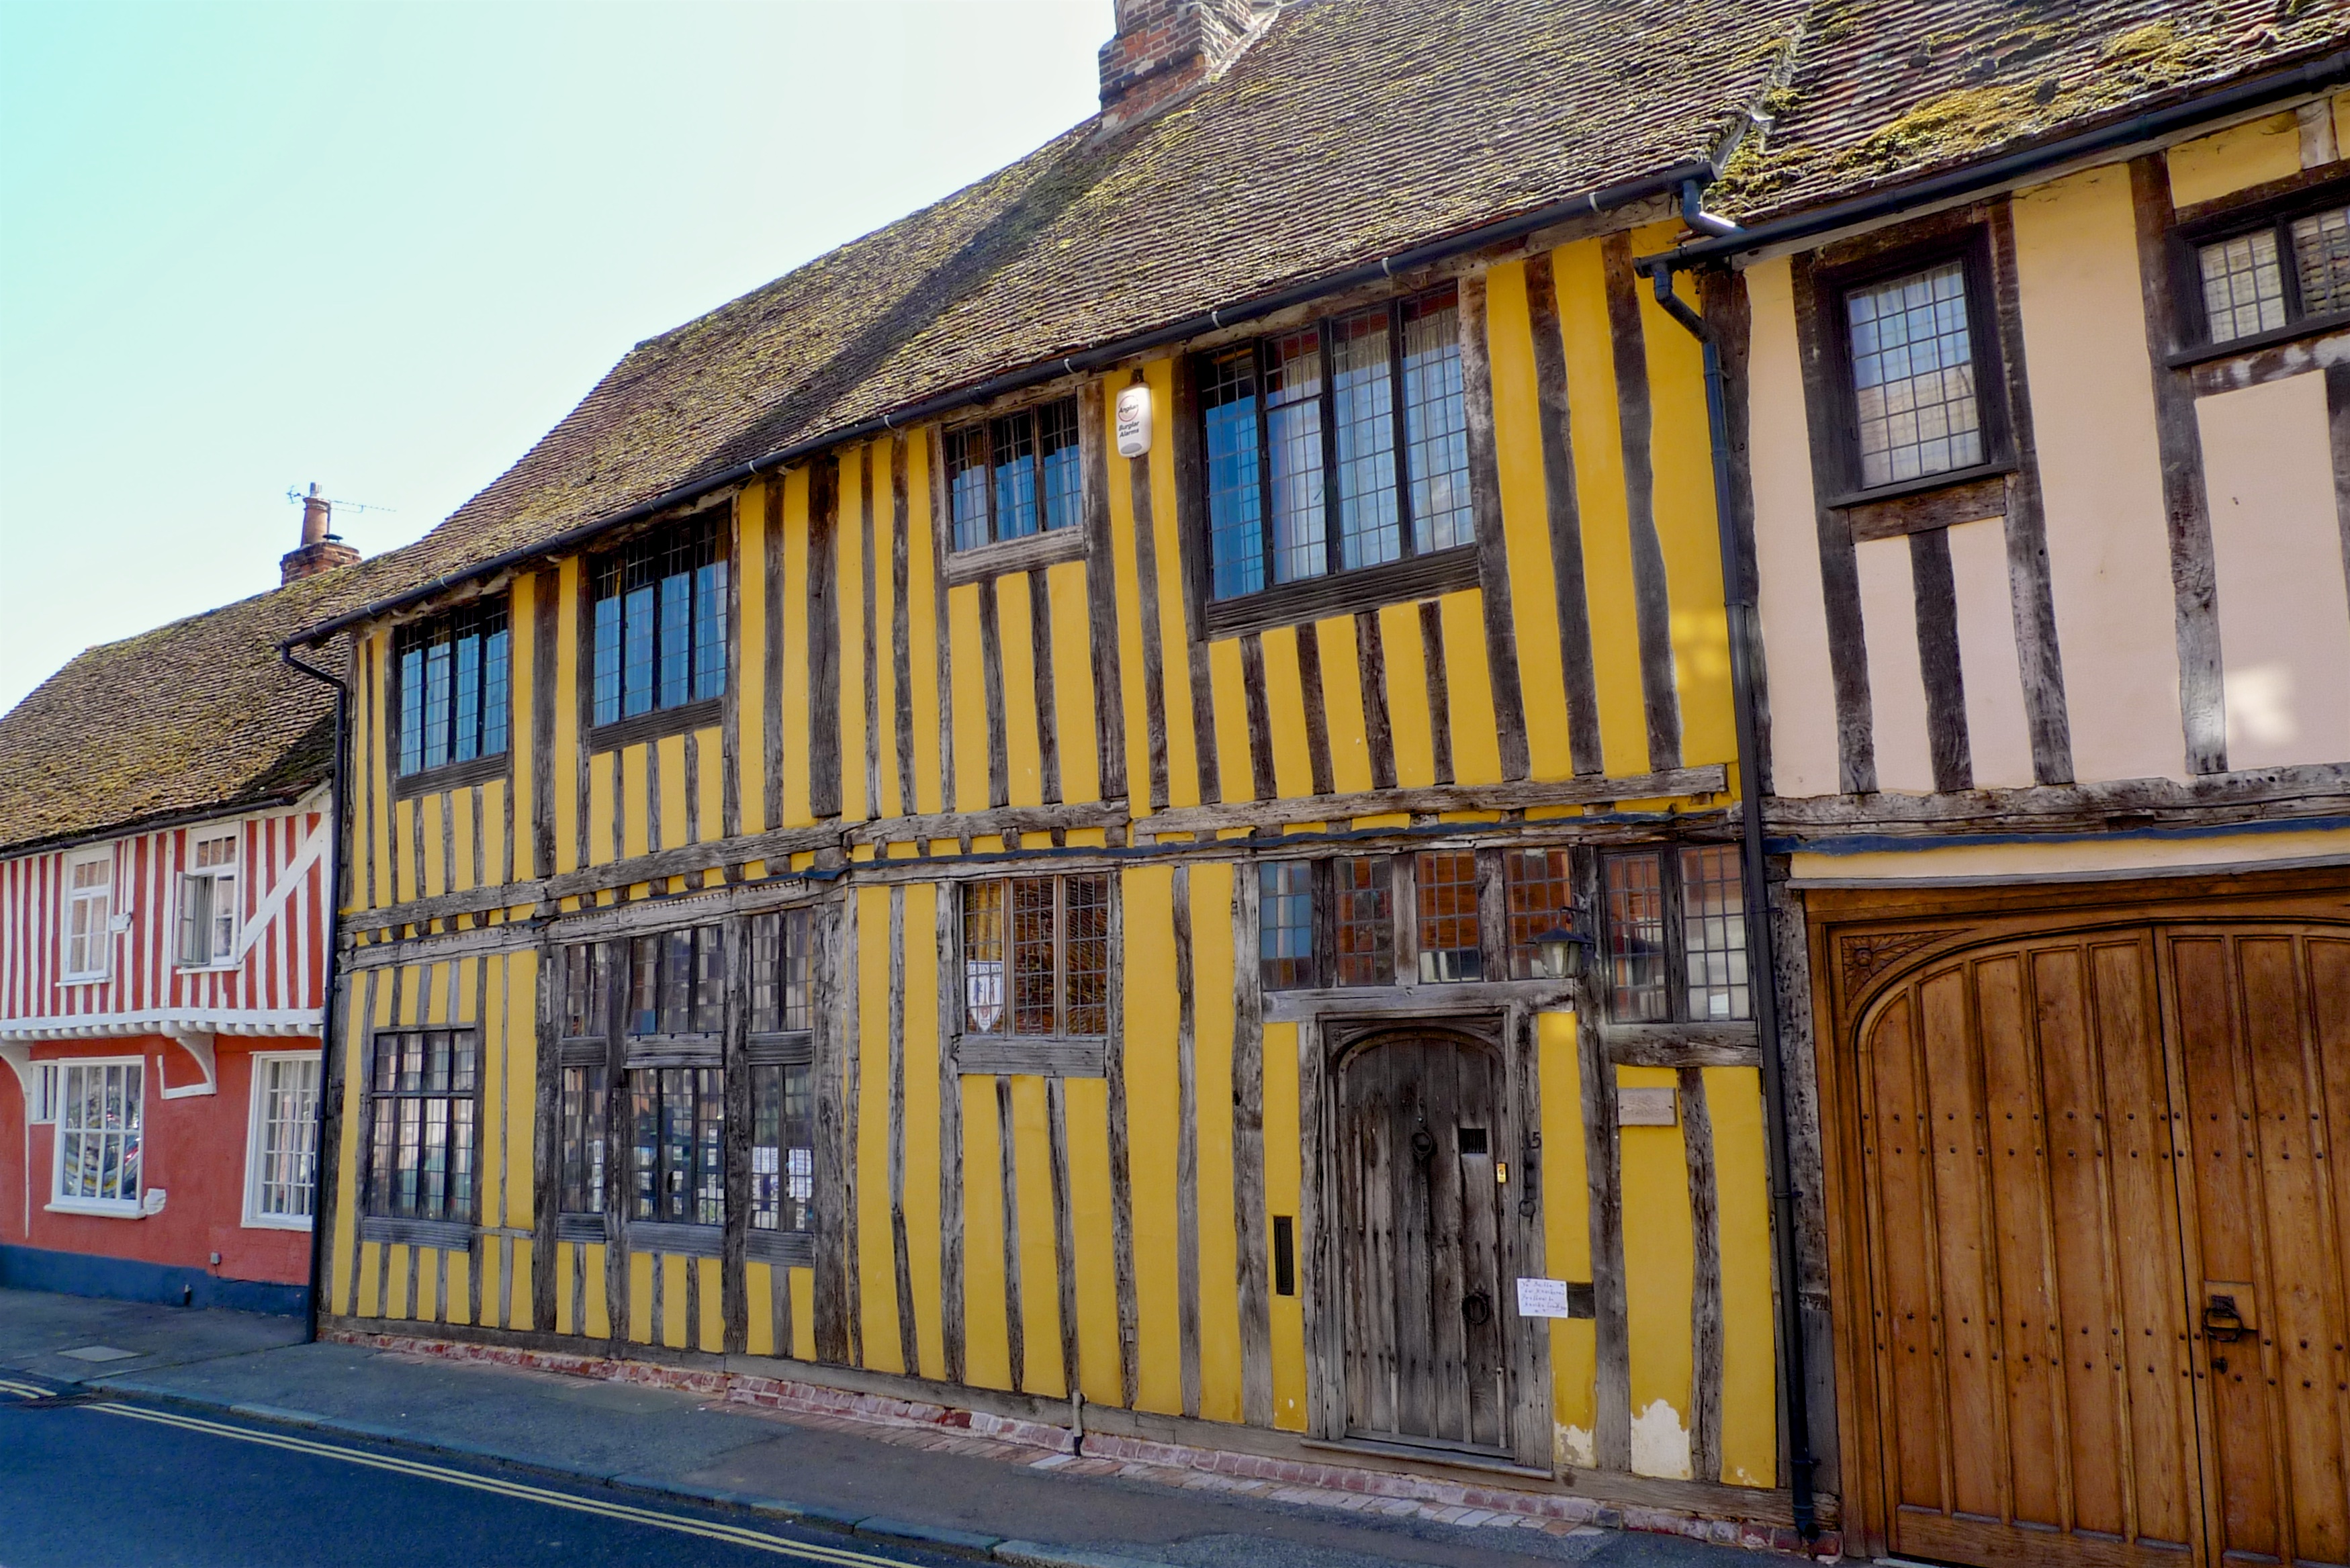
<point>2262,1026</point>
<point>1420,1243</point>
<point>2029,1324</point>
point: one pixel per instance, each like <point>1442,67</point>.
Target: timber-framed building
<point>1118,805</point>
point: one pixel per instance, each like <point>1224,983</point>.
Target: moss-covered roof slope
<point>1889,91</point>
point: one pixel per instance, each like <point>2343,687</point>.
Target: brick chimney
<point>319,551</point>
<point>1167,49</point>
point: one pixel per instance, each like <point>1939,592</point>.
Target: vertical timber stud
<point>1651,593</point>
<point>901,1258</point>
<point>1492,545</point>
<point>1187,1149</point>
<point>901,637</point>
<point>1065,1228</point>
<point>2186,505</point>
<point>771,655</point>
<point>1189,469</point>
<point>1040,661</point>
<point>1007,1169</point>
<point>990,670</point>
<point>544,611</point>
<point>1248,1150</point>
<point>1839,566</point>
<point>1739,615</point>
<point>735,1305</point>
<point>951,1240</point>
<point>1611,1327</point>
<point>1531,1413</point>
<point>730,732</point>
<point>833,1242</point>
<point>1102,596</point>
<point>848,1003</point>
<point>1145,579</point>
<point>546,1140</point>
<point>1705,1275</point>
<point>871,668</point>
<point>2030,588</point>
<point>619,1305</point>
<point>1317,1277</point>
<point>1565,516</point>
<point>2337,425</point>
<point>940,630</point>
<point>1121,1158</point>
<point>824,636</point>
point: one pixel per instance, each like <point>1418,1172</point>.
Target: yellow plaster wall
<point>1659,1272</point>
<point>2219,165</point>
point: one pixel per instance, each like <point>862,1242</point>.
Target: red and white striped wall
<point>271,985</point>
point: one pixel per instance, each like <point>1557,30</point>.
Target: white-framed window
<point>281,1156</point>
<point>89,905</point>
<point>208,903</point>
<point>45,1091</point>
<point>98,1150</point>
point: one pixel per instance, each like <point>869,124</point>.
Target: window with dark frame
<point>783,1074</point>
<point>421,1163</point>
<point>1911,355</point>
<point>1337,447</point>
<point>677,1175</point>
<point>1037,956</point>
<point>660,619</point>
<point>1286,924</point>
<point>2288,266</point>
<point>677,982</point>
<point>451,671</point>
<point>1676,936</point>
<point>585,1105</point>
<point>1015,475</point>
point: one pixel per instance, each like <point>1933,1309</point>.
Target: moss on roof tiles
<point>1889,91</point>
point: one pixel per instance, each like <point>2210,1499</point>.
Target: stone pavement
<point>989,1493</point>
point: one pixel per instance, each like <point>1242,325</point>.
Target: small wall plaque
<point>1647,1108</point>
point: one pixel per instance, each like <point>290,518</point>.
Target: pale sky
<point>387,246</point>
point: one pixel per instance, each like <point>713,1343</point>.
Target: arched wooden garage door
<point>2104,1211</point>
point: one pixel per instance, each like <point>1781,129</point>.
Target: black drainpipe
<point>1738,601</point>
<point>322,1156</point>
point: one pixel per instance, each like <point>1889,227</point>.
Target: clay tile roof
<point>195,716</point>
<point>1885,92</point>
<point>1353,129</point>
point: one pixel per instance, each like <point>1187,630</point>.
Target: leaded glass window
<point>660,619</point>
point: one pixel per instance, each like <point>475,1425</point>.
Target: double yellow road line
<point>682,1524</point>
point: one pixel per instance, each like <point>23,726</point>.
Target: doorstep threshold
<point>1428,1453</point>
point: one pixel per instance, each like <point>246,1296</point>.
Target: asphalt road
<point>111,1483</point>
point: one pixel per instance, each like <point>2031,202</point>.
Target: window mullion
<point>1402,448</point>
<point>1261,357</point>
<point>1669,887</point>
<point>2288,271</point>
<point>986,430</point>
<point>1060,956</point>
<point>1333,549</point>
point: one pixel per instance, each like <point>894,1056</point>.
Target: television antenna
<point>297,494</point>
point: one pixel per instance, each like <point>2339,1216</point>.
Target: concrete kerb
<point>876,1527</point>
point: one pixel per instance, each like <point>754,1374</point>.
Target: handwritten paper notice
<point>1543,1298</point>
